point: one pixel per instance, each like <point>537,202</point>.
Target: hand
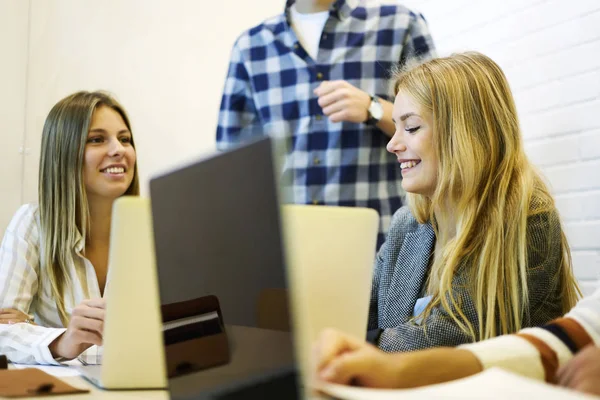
<point>84,330</point>
<point>342,359</point>
<point>12,316</point>
<point>582,372</point>
<point>341,101</point>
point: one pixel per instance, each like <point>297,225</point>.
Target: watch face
<point>376,109</point>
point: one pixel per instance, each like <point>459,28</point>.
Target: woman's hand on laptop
<point>84,330</point>
<point>343,359</point>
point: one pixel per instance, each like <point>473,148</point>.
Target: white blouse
<point>26,287</point>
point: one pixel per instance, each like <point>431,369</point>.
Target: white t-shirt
<point>308,28</point>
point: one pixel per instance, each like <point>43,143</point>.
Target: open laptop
<point>132,355</point>
<point>220,258</point>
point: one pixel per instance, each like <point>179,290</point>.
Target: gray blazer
<point>401,272</point>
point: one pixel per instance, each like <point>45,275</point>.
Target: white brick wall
<point>550,52</point>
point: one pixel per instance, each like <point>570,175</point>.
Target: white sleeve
<point>19,268</point>
<point>519,355</point>
<point>509,352</point>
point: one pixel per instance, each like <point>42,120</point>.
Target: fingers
<point>327,87</point>
<point>89,312</point>
<point>346,368</point>
<point>12,319</point>
<point>567,374</point>
<point>341,101</point>
<point>331,344</point>
<point>331,99</point>
<point>15,316</point>
<point>564,375</point>
<point>12,316</point>
<point>339,116</point>
<point>10,311</point>
<point>93,308</point>
<point>88,318</point>
<point>88,324</point>
<point>95,303</point>
<point>579,369</point>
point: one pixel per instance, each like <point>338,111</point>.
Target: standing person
<point>317,78</point>
<point>54,254</point>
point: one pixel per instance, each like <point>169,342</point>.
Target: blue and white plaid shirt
<point>269,91</point>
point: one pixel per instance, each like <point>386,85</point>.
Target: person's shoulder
<point>259,34</point>
<point>25,221</point>
<point>24,216</point>
<point>403,221</point>
<point>543,217</point>
<point>390,8</point>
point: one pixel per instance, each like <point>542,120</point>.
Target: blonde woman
<point>53,257</point>
<point>479,251</point>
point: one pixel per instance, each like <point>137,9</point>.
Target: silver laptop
<point>132,355</point>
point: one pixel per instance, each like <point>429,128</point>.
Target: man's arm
<point>237,114</point>
<point>342,101</point>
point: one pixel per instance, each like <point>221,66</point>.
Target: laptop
<point>223,279</point>
<point>132,355</point>
<point>330,254</point>
<point>221,267</point>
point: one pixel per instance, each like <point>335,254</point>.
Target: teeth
<point>408,164</point>
<point>115,170</point>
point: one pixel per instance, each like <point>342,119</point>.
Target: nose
<point>396,143</point>
<point>116,148</point>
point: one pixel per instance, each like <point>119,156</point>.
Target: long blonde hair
<point>487,186</point>
<point>63,204</point>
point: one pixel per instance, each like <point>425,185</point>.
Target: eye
<point>412,130</point>
<point>125,139</point>
<point>95,139</point>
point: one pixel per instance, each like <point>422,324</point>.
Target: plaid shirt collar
<point>340,9</point>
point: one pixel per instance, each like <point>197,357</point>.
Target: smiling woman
<point>479,251</point>
<point>53,257</point>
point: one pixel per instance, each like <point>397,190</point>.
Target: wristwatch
<point>375,111</point>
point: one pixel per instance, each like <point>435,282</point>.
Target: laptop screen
<point>221,271</point>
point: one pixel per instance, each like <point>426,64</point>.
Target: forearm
<point>438,365</point>
<point>385,124</point>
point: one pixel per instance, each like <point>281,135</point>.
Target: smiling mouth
<point>113,170</point>
<point>406,165</point>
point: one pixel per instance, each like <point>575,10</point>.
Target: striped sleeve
<point>539,352</point>
<point>19,268</point>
